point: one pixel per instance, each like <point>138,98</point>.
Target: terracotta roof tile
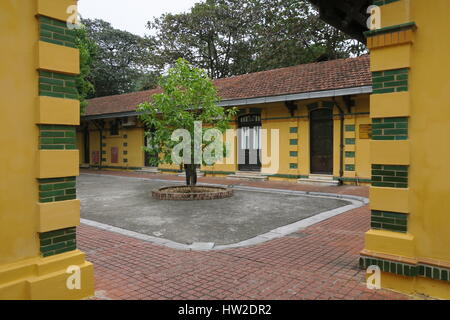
<point>328,75</point>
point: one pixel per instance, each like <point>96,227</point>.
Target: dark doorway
<point>321,141</point>
<point>249,142</point>
<point>86,145</point>
<point>150,158</point>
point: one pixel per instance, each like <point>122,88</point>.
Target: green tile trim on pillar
<point>57,189</point>
<point>56,32</point>
<point>389,176</point>
<point>57,137</point>
<point>349,128</point>
<point>391,29</point>
<point>390,81</point>
<point>350,141</point>
<point>58,241</point>
<point>57,85</point>
<point>383,2</point>
<point>406,269</point>
<point>390,128</point>
<point>349,154</point>
<point>349,167</point>
<point>390,221</point>
<point>399,268</point>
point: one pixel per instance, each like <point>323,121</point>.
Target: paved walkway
<point>320,262</point>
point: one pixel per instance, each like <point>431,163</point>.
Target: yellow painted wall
<point>426,150</point>
<point>362,160</point>
<point>429,126</point>
<point>24,272</point>
<point>18,133</point>
<point>274,116</point>
<point>135,141</point>
<point>80,144</point>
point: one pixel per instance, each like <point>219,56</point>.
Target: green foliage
<point>188,96</point>
<point>147,81</point>
<point>122,60</point>
<point>88,50</point>
<point>223,37</point>
<point>233,37</point>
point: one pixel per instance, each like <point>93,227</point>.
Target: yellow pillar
<point>38,163</point>
<point>409,197</point>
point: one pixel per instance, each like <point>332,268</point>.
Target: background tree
<point>122,60</point>
<point>88,51</point>
<point>232,37</point>
<point>147,81</point>
<point>222,37</point>
<point>188,97</point>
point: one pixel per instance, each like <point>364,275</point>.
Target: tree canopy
<point>232,37</point>
<point>123,61</point>
<point>188,101</point>
<point>223,37</point>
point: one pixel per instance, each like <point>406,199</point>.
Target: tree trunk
<point>191,174</point>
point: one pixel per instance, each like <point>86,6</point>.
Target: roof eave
<point>259,100</point>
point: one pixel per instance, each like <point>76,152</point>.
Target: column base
<point>416,285</point>
<point>46,278</point>
<point>410,276</point>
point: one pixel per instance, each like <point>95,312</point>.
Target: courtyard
<point>126,203</point>
<point>316,262</point>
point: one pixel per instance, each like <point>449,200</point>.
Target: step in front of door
<point>314,179</point>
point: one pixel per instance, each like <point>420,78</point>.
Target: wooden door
<point>321,141</point>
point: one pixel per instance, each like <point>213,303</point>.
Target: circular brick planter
<point>195,193</point>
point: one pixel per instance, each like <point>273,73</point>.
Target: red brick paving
<point>320,262</point>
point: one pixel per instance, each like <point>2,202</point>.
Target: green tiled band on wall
<point>406,269</point>
<point>349,154</point>
<point>399,268</point>
<point>391,221</point>
<point>390,128</point>
<point>383,2</point>
<point>350,141</point>
<point>390,81</point>
<point>57,85</point>
<point>350,128</point>
<point>57,137</point>
<point>57,189</point>
<point>56,32</point>
<point>349,167</point>
<point>58,241</point>
<point>389,176</point>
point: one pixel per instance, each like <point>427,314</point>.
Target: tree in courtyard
<point>176,118</point>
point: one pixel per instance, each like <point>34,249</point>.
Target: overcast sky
<point>131,15</point>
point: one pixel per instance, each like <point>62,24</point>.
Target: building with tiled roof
<point>321,111</point>
<point>289,83</point>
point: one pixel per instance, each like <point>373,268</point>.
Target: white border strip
<point>279,232</point>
